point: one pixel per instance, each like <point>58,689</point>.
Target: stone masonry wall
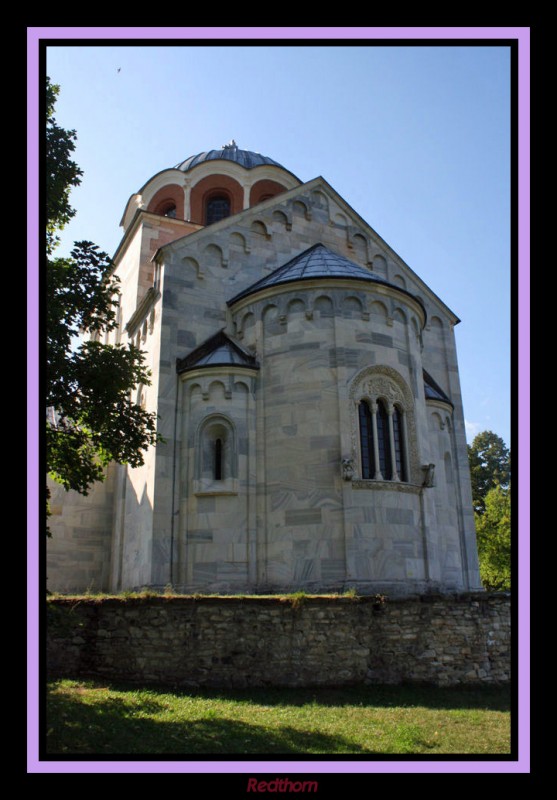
<point>238,642</point>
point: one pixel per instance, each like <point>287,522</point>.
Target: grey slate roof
<point>220,350</point>
<point>316,262</point>
<point>245,158</point>
<point>432,389</point>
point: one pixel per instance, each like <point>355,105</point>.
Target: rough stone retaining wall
<point>226,642</point>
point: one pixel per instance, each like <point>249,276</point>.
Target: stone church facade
<point>307,387</point>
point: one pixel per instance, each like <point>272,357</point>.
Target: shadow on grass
<point>113,727</point>
<point>402,696</point>
<point>487,698</point>
<point>83,720</point>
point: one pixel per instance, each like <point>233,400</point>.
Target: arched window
<point>366,441</point>
<point>217,208</point>
<point>383,427</point>
<point>217,467</point>
<point>398,443</point>
<point>216,456</point>
<point>383,441</point>
<point>381,445</point>
<point>216,450</point>
<point>170,211</point>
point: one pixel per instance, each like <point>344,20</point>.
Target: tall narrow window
<point>216,457</point>
<point>383,441</point>
<point>399,454</point>
<point>218,460</point>
<point>217,208</point>
<point>366,441</point>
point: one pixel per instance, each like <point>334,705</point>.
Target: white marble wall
<point>290,520</point>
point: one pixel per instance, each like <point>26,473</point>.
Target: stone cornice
<point>140,216</point>
<point>377,288</point>
<point>445,405</point>
<point>142,310</point>
<point>399,486</point>
<point>218,370</point>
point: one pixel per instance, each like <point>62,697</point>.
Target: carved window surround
<point>385,383</point>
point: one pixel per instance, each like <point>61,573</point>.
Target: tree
<point>93,419</point>
<point>493,530</point>
<point>490,465</point>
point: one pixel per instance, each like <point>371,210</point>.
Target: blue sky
<point>415,138</point>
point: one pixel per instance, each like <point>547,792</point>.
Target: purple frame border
<point>522,36</point>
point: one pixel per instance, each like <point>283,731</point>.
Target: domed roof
<point>316,262</point>
<point>229,152</point>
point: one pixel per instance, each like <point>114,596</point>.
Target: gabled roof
<point>316,183</point>
<point>218,351</point>
<point>317,262</point>
<point>433,391</point>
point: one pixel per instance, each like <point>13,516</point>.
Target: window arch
<point>217,207</point>
<point>168,201</point>
<point>382,440</point>
<point>367,449</point>
<point>216,460</point>
<point>398,436</point>
<point>383,444</point>
<point>383,432</point>
<point>217,464</point>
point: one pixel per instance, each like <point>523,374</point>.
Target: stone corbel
<point>428,471</point>
<point>348,470</point>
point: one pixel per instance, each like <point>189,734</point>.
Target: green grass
<point>101,718</point>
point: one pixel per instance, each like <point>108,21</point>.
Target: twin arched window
<point>382,446</point>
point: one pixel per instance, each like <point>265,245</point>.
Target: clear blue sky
<point>415,138</point>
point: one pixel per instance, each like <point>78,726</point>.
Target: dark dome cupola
<point>212,185</point>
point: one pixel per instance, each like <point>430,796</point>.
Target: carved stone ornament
<point>429,475</point>
<point>347,469</point>
<point>381,386</point>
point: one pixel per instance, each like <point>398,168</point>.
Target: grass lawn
<point>101,718</point>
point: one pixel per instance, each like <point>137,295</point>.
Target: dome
<point>229,152</point>
<point>317,262</point>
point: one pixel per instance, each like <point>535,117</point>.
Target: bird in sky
<point>119,68</point>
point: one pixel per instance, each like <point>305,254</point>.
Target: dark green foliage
<point>490,464</point>
<point>490,471</point>
<point>493,529</point>
<point>61,172</point>
<point>89,385</point>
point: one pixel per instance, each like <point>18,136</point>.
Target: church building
<point>308,394</point>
